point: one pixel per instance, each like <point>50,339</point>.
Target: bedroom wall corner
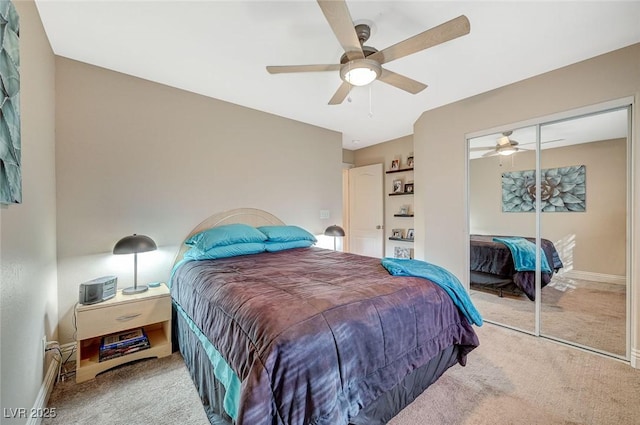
<point>28,288</point>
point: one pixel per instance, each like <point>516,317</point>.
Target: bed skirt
<point>212,392</point>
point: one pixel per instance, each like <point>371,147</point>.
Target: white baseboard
<point>45,390</point>
<point>595,277</point>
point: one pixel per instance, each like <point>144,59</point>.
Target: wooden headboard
<point>251,216</point>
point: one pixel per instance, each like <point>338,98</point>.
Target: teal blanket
<point>441,277</point>
<point>524,254</point>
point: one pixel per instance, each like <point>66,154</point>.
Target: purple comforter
<point>488,256</point>
<point>314,335</point>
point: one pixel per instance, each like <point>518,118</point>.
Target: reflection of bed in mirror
<point>309,335</point>
<point>493,267</point>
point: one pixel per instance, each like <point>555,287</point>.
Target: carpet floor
<point>589,313</point>
<point>512,378</point>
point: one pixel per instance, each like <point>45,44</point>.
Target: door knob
<point>378,227</point>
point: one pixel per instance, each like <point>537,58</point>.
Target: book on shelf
<point>123,343</point>
<point>113,353</point>
<point>125,338</point>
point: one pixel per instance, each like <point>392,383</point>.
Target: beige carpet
<point>511,379</point>
<point>588,313</point>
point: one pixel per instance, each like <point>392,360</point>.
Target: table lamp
<point>334,231</point>
<point>133,245</point>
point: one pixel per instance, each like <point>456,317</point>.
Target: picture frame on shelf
<point>395,164</point>
<point>397,233</point>
<point>410,234</point>
<point>401,252</point>
<point>404,210</point>
<point>408,188</point>
<point>410,161</point>
<point>397,186</point>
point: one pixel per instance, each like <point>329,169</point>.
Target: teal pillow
<point>227,234</point>
<point>281,246</point>
<point>286,233</point>
<point>225,251</point>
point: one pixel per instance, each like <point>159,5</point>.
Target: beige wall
<point>593,241</point>
<point>139,157</point>
<point>440,148</point>
<point>384,153</point>
<point>348,156</point>
<point>28,287</point>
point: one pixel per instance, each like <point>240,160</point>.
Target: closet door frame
<point>632,295</point>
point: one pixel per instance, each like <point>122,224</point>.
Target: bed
<point>305,335</point>
<point>493,267</point>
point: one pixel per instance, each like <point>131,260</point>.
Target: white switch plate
<point>324,214</point>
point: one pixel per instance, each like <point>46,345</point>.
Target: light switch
<point>325,214</point>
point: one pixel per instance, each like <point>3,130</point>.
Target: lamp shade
<point>134,244</point>
<point>334,230</point>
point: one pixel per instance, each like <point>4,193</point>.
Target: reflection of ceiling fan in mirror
<point>505,146</point>
<point>361,65</point>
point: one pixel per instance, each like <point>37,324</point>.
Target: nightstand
<point>150,310</point>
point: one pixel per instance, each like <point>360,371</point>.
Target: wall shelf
<point>403,215</point>
<point>400,239</point>
<point>400,193</point>
<point>399,170</point>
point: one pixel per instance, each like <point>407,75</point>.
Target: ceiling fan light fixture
<point>507,150</point>
<point>360,72</point>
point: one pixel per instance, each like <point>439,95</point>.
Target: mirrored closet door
<point>493,163</point>
<point>584,178</point>
<point>549,225</point>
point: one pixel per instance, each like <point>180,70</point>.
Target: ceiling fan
<point>505,146</point>
<point>361,65</point>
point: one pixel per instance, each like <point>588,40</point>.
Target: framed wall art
<point>10,145</point>
<point>397,186</point>
<point>561,190</point>
<point>410,161</point>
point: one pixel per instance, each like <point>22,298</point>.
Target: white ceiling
<point>220,49</point>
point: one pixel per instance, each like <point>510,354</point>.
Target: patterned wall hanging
<point>562,190</point>
<point>10,156</point>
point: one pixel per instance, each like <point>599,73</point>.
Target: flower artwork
<point>10,145</point>
<point>561,190</point>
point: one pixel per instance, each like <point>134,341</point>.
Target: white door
<point>366,211</point>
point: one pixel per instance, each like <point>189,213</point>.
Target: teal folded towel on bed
<point>524,254</point>
<point>441,277</point>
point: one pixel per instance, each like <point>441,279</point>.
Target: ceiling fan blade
<point>401,82</point>
<point>339,18</point>
<point>492,153</point>
<point>447,31</point>
<point>482,148</point>
<point>302,68</point>
<point>340,94</point>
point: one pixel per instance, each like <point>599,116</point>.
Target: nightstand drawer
<point>119,317</point>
